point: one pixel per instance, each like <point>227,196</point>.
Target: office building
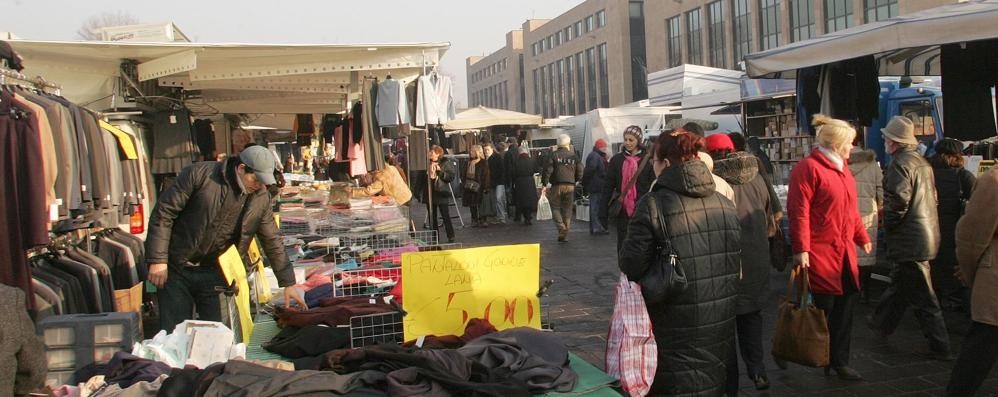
<point>496,80</point>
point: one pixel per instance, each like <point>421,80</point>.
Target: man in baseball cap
<point>210,207</point>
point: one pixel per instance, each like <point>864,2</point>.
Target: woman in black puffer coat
<point>695,331</point>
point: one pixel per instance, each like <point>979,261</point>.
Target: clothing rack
<point>37,82</point>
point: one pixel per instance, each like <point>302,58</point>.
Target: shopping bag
<point>543,208</point>
<point>631,352</point>
<point>801,328</point>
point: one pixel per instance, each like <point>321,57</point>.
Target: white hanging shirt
<point>434,100</point>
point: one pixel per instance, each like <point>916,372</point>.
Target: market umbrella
<point>482,117</point>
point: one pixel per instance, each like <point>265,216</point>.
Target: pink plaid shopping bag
<point>631,352</point>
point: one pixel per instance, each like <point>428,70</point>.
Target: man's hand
<point>868,248</point>
<point>960,276</point>
<point>802,260</point>
<point>295,294</point>
<point>157,274</point>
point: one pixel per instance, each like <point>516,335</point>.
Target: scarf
<point>833,157</point>
<point>629,198</point>
<point>471,169</point>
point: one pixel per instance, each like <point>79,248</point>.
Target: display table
<point>592,381</point>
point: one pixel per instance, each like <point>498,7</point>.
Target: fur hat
<point>901,130</point>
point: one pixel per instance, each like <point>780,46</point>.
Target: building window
<point>505,95</point>
<point>580,85</point>
<point>639,58</point>
<point>558,38</point>
<point>769,23</point>
<point>742,31</point>
<point>537,93</point>
<point>578,29</point>
<point>838,15</point>
<point>801,19</point>
<point>591,76</point>
<point>879,10</point>
<point>559,91</point>
<point>600,18</point>
<point>604,77</point>
<point>569,85</point>
<point>675,41</point>
<point>715,18</point>
<point>569,34</point>
<point>545,91</point>
<point>552,105</point>
<point>589,24</point>
<point>694,41</point>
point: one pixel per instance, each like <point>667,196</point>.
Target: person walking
<point>954,185</point>
<point>509,161</point>
<point>911,225</point>
<point>525,186</point>
<point>825,229</point>
<point>977,253</point>
<point>755,211</point>
<point>564,170</point>
<point>628,177</point>
<point>870,189</point>
<point>497,169</point>
<point>441,173</point>
<point>593,179</point>
<point>695,330</point>
<point>211,206</point>
<point>475,185</point>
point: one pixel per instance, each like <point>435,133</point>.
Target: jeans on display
<point>562,199</point>
<point>975,362</point>
<point>596,224</point>
<point>187,287</point>
<point>911,286</point>
<point>500,193</point>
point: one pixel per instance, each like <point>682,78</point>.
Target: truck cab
<point>920,102</point>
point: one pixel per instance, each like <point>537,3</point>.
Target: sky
<point>472,27</point>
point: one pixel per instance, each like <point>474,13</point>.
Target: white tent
<point>904,45</point>
<point>229,78</point>
<point>609,124</point>
<point>482,117</point>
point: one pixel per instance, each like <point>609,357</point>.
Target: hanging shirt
<point>434,100</point>
<point>391,108</point>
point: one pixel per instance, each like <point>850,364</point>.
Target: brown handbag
<point>801,328</point>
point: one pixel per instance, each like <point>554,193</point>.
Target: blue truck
<point>922,102</point>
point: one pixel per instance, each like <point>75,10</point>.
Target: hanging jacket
<point>694,331</point>
<point>185,217</point>
<point>911,222</point>
<point>752,201</point>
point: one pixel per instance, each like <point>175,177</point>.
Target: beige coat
<point>23,365</point>
<point>870,187</point>
<point>388,182</point>
<point>977,248</point>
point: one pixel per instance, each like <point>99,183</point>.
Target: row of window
<point>489,71</point>
<point>838,15</point>
<point>496,96</point>
<point>572,32</point>
<point>573,85</point>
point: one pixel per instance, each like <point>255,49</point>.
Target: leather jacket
<point>911,221</point>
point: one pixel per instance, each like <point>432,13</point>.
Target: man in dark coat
<point>524,186</point>
<point>211,206</point>
<point>509,161</point>
<point>912,236</point>
<point>752,201</point>
<point>23,365</point>
<point>563,171</point>
<point>593,179</point>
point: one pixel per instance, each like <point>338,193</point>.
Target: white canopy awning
<point>904,45</point>
<point>482,117</point>
<point>231,78</point>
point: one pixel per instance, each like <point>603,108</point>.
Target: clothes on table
<point>332,312</point>
<point>240,378</point>
<point>539,359</point>
<point>309,341</point>
<point>476,328</point>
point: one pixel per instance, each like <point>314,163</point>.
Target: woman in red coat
<point>825,228</point>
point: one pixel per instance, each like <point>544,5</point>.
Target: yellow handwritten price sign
<point>443,290</point>
<point>233,269</point>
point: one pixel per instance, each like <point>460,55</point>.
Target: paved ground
<point>580,302</point>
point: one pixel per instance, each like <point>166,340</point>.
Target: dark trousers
<point>187,287</point>
<point>596,224</point>
<point>750,343</point>
<point>620,223</point>
<point>474,214</point>
<point>443,209</point>
<point>980,351</point>
<point>911,285</point>
<point>527,214</point>
<point>839,312</point>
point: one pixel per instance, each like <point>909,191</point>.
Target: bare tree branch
<point>89,29</point>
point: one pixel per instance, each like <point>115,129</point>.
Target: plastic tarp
<point>904,45</point>
<point>609,124</point>
<point>482,117</point>
<point>228,78</point>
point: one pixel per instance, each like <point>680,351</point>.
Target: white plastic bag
<point>543,208</point>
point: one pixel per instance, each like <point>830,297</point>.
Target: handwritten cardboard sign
<point>234,270</point>
<point>443,290</point>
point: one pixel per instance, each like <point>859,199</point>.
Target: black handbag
<point>665,279</point>
<point>472,185</point>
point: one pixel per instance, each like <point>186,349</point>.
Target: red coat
<point>824,221</point>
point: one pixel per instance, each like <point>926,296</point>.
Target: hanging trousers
<point>839,312</point>
<point>976,360</point>
<point>911,285</point>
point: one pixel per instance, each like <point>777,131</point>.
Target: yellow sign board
<point>233,269</point>
<point>443,290</point>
